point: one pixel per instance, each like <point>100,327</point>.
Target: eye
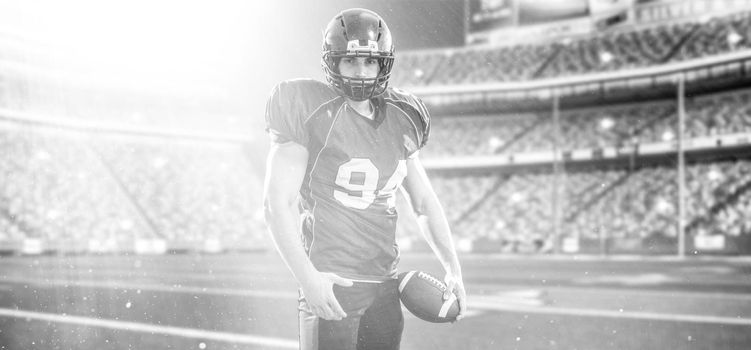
<point>371,61</point>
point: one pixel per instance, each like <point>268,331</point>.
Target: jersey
<point>355,166</point>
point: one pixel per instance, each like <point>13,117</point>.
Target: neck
<point>364,108</point>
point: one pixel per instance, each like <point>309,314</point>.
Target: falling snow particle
<point>202,345</point>
<point>518,338</point>
<point>127,305</point>
<point>690,338</point>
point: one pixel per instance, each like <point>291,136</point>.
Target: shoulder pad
<point>289,106</point>
<point>414,106</point>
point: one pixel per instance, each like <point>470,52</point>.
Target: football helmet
<point>357,33</point>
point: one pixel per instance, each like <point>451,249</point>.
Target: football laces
<point>433,280</point>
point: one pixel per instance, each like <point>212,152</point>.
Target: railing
<point>523,159</point>
<point>735,64</point>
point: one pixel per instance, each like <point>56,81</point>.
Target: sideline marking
<point>154,329</point>
<point>174,288</point>
<point>482,302</point>
<point>612,290</point>
<point>491,304</point>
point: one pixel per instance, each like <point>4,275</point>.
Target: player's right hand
<point>319,295</point>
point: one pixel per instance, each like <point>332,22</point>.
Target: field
<point>248,301</point>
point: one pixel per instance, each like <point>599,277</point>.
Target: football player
<point>340,150</point>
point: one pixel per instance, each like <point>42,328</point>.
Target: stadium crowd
<point>516,213</point>
<point>64,186</point>
<point>189,191</point>
<point>52,188</point>
<point>590,128</point>
<point>605,51</point>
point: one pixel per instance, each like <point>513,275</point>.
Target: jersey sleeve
<point>414,109</point>
<point>424,119</point>
<point>284,120</point>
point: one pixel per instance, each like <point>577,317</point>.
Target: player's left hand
<point>456,285</point>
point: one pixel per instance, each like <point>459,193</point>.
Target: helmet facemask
<point>357,33</point>
<point>358,89</point>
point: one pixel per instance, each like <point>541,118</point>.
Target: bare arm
<point>434,227</point>
<point>285,170</point>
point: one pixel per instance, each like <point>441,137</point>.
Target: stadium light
<point>53,214</point>
<point>668,135</point>
<point>663,206</point>
<point>606,57</point>
<point>43,155</point>
<point>126,224</point>
<point>499,224</point>
<point>495,142</point>
<point>135,42</point>
<point>516,197</point>
<point>714,174</point>
<point>141,36</point>
<point>734,38</point>
<point>159,162</point>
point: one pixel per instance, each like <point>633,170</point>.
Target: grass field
<point>248,301</point>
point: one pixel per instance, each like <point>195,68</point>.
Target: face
<point>359,67</point>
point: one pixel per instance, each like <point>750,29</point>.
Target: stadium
<point>592,157</point>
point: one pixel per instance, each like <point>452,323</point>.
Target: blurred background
<point>579,147</point>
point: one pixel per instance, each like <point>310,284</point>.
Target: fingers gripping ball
<point>422,294</point>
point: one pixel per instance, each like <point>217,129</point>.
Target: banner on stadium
<point>609,7</point>
<point>664,10</point>
<point>506,21</point>
<point>486,15</point>
<point>535,11</point>
<point>608,13</point>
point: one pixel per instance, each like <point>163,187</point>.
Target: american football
<point>422,294</point>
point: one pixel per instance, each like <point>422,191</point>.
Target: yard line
<point>481,302</point>
<point>620,291</point>
<point>266,342</point>
<point>174,288</point>
<point>144,262</point>
<point>212,276</point>
<point>496,305</point>
<point>233,277</point>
